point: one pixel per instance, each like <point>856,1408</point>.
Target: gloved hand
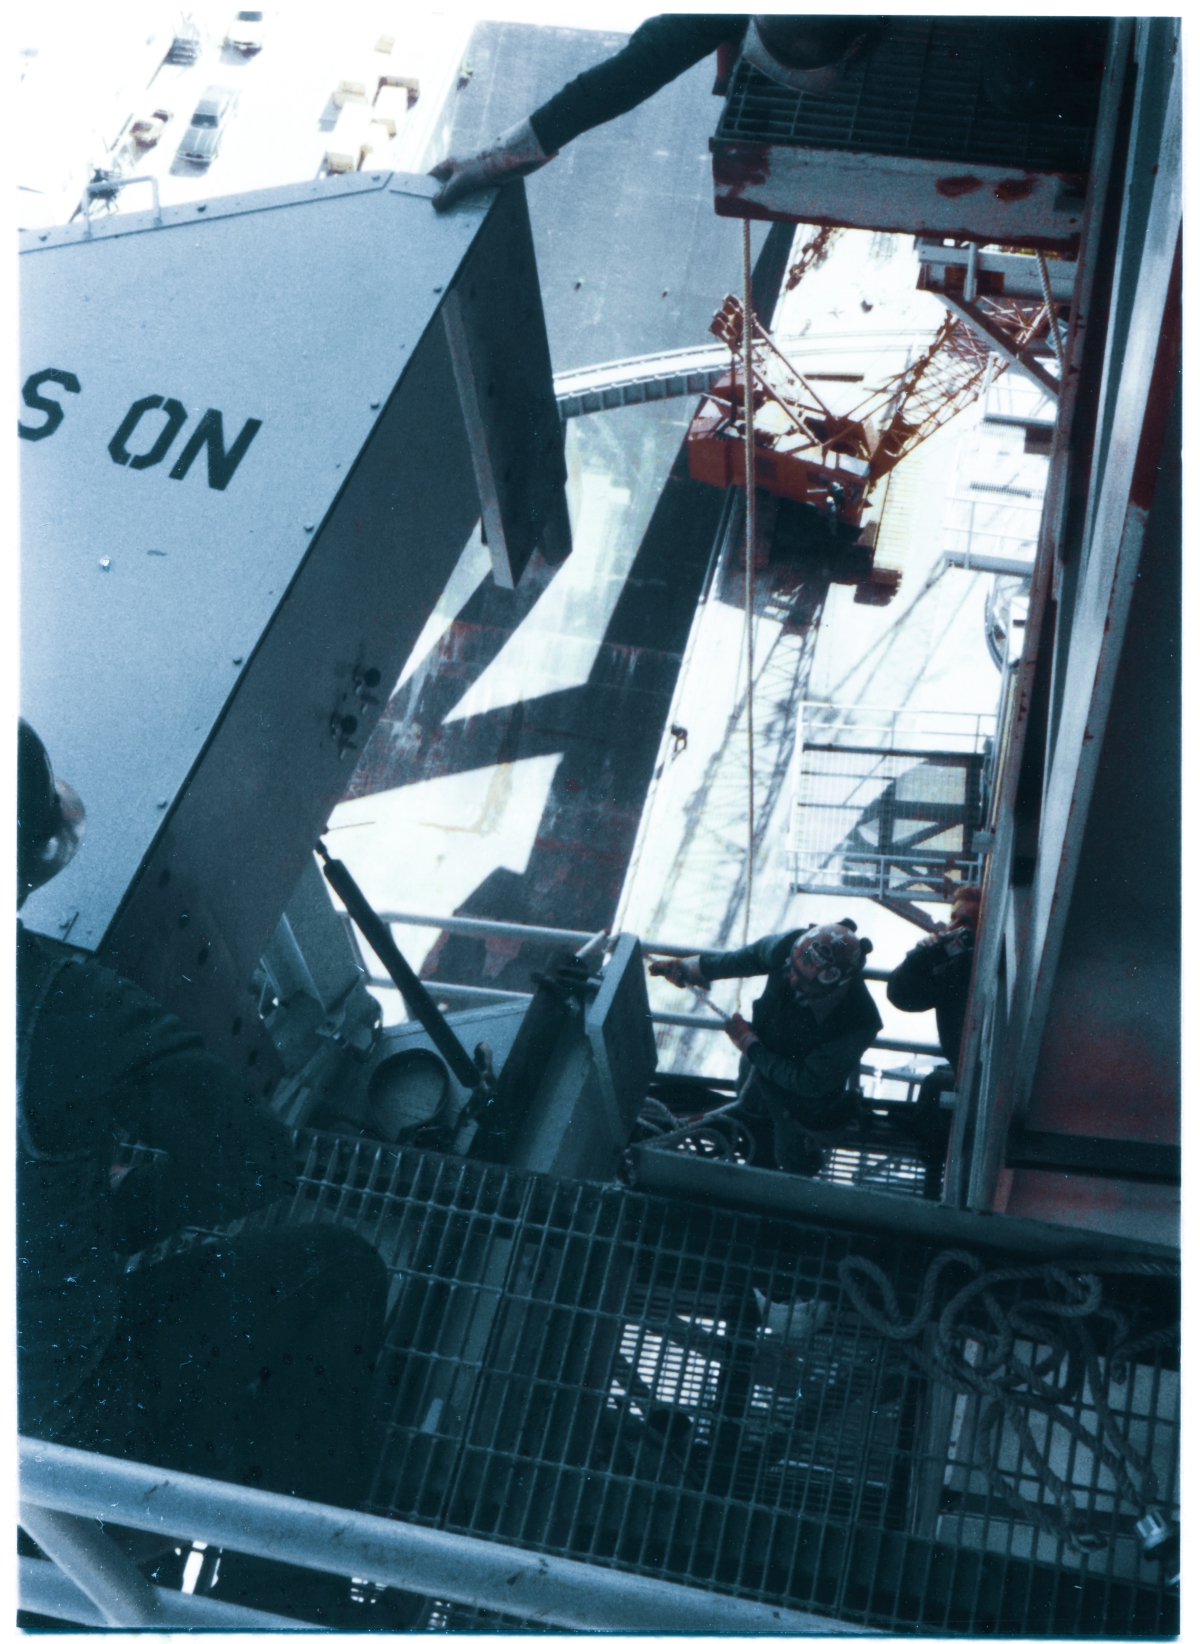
<point>515,153</point>
<point>740,1031</point>
<point>952,939</point>
<point>683,972</point>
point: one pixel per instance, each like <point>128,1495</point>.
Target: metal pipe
<point>551,935</point>
<point>676,1018</point>
<point>95,189</point>
<point>1051,309</point>
<point>703,996</point>
<point>667,1018</point>
<point>44,1589</point>
<point>967,561</point>
<point>971,277</point>
<point>451,991</point>
<point>554,1591</point>
<point>96,1565</point>
<point>462,926</point>
<point>445,1040</point>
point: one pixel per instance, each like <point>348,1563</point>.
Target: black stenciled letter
<point>175,420</point>
<point>39,402</point>
<point>176,417</point>
<point>222,464</point>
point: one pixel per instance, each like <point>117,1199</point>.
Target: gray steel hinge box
<point>247,473</point>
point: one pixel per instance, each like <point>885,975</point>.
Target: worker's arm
<point>755,960</point>
<point>823,1070</point>
<point>110,1061</point>
<point>921,980</point>
<point>658,52</point>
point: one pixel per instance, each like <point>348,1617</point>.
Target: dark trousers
<point>252,1360</point>
<point>255,1361</point>
<point>788,1144</point>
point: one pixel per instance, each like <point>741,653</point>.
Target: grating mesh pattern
<point>920,94</point>
<point>884,1171</point>
<point>686,1392</point>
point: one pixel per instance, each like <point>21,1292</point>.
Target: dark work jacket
<point>658,52</point>
<point>931,979</point>
<point>99,1060</point>
<point>805,1057</point>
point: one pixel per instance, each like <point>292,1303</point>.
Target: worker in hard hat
<point>809,54</point>
<point>809,1029</point>
<point>203,1360</point>
<point>936,975</point>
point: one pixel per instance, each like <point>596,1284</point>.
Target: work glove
<point>740,1031</point>
<point>683,972</point>
<point>952,939</point>
<point>515,153</point>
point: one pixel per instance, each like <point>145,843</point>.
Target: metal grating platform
<point>688,1393</point>
<point>887,800</point>
<point>919,95</point>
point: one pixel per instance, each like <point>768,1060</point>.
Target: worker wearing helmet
<point>809,54</point>
<point>202,1360</point>
<point>810,1027</point>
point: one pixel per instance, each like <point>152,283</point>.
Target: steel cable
<point>751,541</point>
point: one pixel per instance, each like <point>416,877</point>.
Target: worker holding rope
<point>811,1025</point>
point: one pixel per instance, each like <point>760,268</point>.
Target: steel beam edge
<point>979,1122</point>
<point>864,1211</point>
<point>1110,552</point>
<point>541,1587</point>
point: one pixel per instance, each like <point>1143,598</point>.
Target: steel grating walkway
<point>918,94</point>
<point>687,1392</point>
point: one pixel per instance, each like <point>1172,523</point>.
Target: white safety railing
<point>463,993</point>
<point>74,1489</point>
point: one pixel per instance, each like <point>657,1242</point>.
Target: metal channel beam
<point>1069,1154</point>
<point>787,183</point>
<point>501,358</point>
<point>1140,376</point>
<point>717,1182</point>
<point>1001,914</point>
<point>556,1592</point>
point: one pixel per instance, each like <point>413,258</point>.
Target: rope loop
<point>997,1361</point>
